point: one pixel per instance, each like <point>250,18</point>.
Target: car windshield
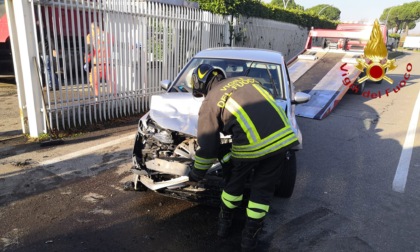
<point>269,75</point>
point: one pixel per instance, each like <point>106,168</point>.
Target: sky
<point>356,10</point>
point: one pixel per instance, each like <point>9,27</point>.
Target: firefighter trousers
<point>262,175</point>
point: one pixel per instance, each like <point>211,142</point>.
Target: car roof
<point>242,53</point>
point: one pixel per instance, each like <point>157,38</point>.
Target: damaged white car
<point>166,142</point>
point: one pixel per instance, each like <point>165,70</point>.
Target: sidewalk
<point>104,146</point>
<point>10,125</point>
<point>18,152</point>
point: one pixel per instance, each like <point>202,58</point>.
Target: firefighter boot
<point>225,221</point>
<point>250,234</point>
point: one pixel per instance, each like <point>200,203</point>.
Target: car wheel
<point>286,184</point>
<point>360,87</point>
<point>356,87</point>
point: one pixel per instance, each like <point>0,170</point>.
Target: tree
<point>401,17</point>
<point>234,8</point>
<point>258,9</point>
<point>228,7</point>
<point>326,10</point>
<point>287,4</point>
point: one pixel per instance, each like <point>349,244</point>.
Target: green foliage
<point>287,4</point>
<point>44,137</point>
<point>227,7</point>
<point>326,10</point>
<point>411,25</point>
<point>394,35</point>
<point>401,16</point>
<point>255,8</point>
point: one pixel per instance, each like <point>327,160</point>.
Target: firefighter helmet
<point>203,78</point>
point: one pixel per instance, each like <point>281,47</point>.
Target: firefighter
<point>261,134</point>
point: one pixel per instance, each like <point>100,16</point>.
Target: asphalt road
<point>344,198</point>
<point>350,192</point>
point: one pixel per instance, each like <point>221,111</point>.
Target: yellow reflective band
<point>228,199</point>
<point>203,163</point>
<point>254,215</point>
<point>199,166</point>
<point>226,157</point>
<point>231,197</point>
<point>201,75</point>
<point>269,149</point>
<point>255,205</point>
<point>204,160</point>
<point>271,100</point>
<point>228,204</point>
<point>264,142</point>
<point>242,117</point>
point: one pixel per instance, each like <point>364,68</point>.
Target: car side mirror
<point>300,98</point>
<point>165,84</point>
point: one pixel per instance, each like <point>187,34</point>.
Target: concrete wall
<point>287,38</point>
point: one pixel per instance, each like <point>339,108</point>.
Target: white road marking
<point>88,150</point>
<point>400,178</point>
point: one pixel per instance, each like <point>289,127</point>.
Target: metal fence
<point>102,59</point>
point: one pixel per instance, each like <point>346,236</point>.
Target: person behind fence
<point>98,59</point>
<point>261,135</point>
<point>52,77</point>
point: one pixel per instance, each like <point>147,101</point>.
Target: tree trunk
<point>285,3</point>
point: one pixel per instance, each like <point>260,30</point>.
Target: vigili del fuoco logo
<point>375,64</point>
<point>375,58</point>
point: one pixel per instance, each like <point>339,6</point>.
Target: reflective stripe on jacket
<point>242,108</point>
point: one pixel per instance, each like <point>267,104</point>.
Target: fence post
<point>16,63</point>
<point>227,35</point>
<point>22,35</point>
<point>205,30</point>
<point>144,9</point>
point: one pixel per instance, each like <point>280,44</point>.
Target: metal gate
<point>87,61</point>
<point>127,47</point>
<point>95,60</point>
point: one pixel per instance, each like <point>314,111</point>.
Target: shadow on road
<point>345,181</point>
<point>7,79</point>
<point>68,208</point>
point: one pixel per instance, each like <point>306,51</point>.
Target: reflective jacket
<point>242,108</point>
<point>101,43</point>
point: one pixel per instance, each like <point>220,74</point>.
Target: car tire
<point>361,86</point>
<point>286,184</point>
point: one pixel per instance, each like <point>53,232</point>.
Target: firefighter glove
<point>196,175</point>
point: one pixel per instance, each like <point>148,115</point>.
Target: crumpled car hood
<point>176,111</point>
<point>179,111</point>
